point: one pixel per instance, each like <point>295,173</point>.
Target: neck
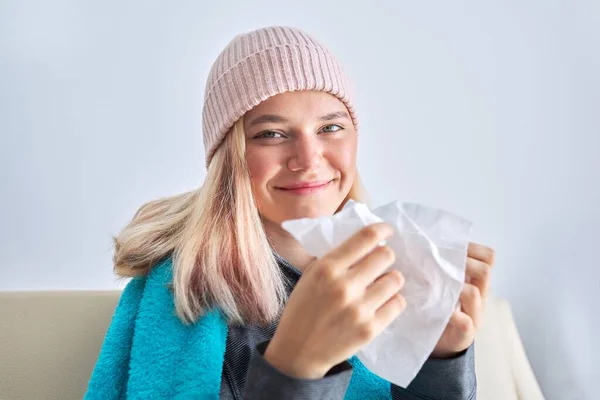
<point>287,246</point>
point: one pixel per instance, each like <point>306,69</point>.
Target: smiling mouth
<point>302,185</point>
<point>307,187</point>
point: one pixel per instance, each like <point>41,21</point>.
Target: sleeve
<point>265,382</point>
<point>452,378</point>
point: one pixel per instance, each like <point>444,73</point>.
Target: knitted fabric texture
<point>263,63</point>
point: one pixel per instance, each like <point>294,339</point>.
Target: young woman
<point>280,132</point>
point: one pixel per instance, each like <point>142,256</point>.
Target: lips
<point>305,185</point>
<point>306,188</point>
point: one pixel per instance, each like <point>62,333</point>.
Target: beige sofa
<point>49,342</point>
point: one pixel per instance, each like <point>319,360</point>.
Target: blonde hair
<point>220,252</point>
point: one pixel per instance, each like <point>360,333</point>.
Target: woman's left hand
<point>464,324</point>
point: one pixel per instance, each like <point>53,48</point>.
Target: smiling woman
<point>251,314</point>
<point>302,163</point>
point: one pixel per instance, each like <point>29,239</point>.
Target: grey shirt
<point>248,376</point>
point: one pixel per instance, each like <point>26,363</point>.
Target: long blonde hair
<point>220,252</point>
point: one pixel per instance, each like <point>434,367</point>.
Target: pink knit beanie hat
<point>260,64</point>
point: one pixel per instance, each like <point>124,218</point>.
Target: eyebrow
<point>277,118</point>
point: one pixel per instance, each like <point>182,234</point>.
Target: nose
<point>307,154</point>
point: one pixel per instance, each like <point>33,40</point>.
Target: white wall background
<point>488,109</point>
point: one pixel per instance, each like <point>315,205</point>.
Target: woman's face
<point>301,154</point>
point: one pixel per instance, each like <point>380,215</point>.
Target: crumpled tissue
<point>431,250</point>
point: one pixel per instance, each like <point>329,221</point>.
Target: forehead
<point>303,102</point>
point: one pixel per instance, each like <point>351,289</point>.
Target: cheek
<point>262,166</point>
<point>344,158</point>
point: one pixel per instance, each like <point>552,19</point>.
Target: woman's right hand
<point>341,302</point>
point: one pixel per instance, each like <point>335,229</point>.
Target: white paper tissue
<point>431,250</point>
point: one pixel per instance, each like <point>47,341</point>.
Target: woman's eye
<point>326,128</point>
<point>277,135</point>
<point>270,135</point>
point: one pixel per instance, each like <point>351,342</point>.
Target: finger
<point>478,274</point>
<point>357,246</point>
<point>384,287</point>
<point>372,266</point>
<point>389,312</point>
<point>462,323</point>
<point>481,253</point>
<point>471,303</point>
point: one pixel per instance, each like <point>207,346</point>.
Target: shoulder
<point>141,288</point>
<point>162,271</point>
<point>158,296</point>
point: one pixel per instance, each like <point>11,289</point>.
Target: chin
<point>310,212</point>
